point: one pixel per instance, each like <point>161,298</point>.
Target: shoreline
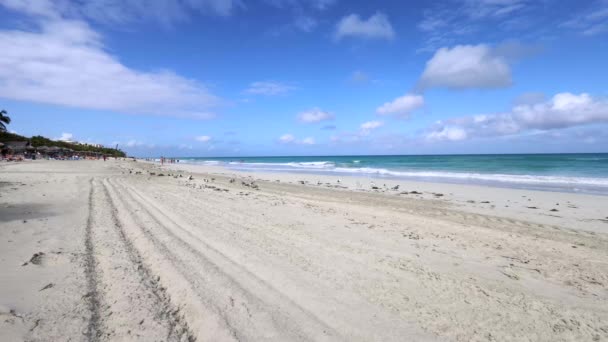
<point>580,210</point>
<point>346,166</point>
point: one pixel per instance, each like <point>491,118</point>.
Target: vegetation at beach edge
<point>39,141</point>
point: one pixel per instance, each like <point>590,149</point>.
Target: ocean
<point>587,173</point>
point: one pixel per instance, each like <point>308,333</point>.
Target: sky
<point>308,77</point>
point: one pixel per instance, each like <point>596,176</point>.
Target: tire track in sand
<point>125,299</point>
<point>93,330</point>
<point>242,304</point>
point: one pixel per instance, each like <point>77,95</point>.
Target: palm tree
<point>4,119</point>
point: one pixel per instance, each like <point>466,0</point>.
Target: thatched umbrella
<point>43,149</point>
<point>54,149</point>
<point>1,144</point>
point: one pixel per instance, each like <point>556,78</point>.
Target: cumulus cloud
<point>70,66</point>
<point>375,27</point>
<point>203,138</point>
<point>315,115</point>
<point>268,88</point>
<point>65,137</point>
<point>563,110</point>
<point>466,66</point>
<point>402,106</point>
<point>371,125</point>
<point>291,139</point>
<point>287,139</point>
<point>448,133</point>
<point>367,127</point>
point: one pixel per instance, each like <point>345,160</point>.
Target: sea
<point>585,172</point>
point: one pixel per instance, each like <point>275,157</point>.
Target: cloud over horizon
<point>563,110</point>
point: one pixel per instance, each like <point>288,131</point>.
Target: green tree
<point>4,120</point>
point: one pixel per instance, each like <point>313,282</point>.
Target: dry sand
<point>112,251</point>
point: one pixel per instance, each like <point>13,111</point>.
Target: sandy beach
<point>125,250</point>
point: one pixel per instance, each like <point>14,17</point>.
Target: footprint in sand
<point>48,259</point>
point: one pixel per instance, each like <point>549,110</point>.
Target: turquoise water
<point>561,172</point>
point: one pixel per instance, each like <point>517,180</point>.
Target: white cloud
<point>376,27</point>
<point>371,125</point>
<point>448,133</point>
<point>308,141</point>
<point>268,88</point>
<point>69,66</point>
<point>287,139</point>
<point>315,115</point>
<point>466,66</point>
<point>290,139</point>
<point>367,127</point>
<point>563,110</point>
<point>402,106</point>
<point>65,137</point>
<point>203,138</point>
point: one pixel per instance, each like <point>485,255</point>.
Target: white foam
<point>454,176</point>
<point>330,167</point>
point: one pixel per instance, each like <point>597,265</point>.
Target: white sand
<point>142,257</point>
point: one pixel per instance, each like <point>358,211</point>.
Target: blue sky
<point>309,77</point>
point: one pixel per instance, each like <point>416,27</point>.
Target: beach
<point>126,250</point>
